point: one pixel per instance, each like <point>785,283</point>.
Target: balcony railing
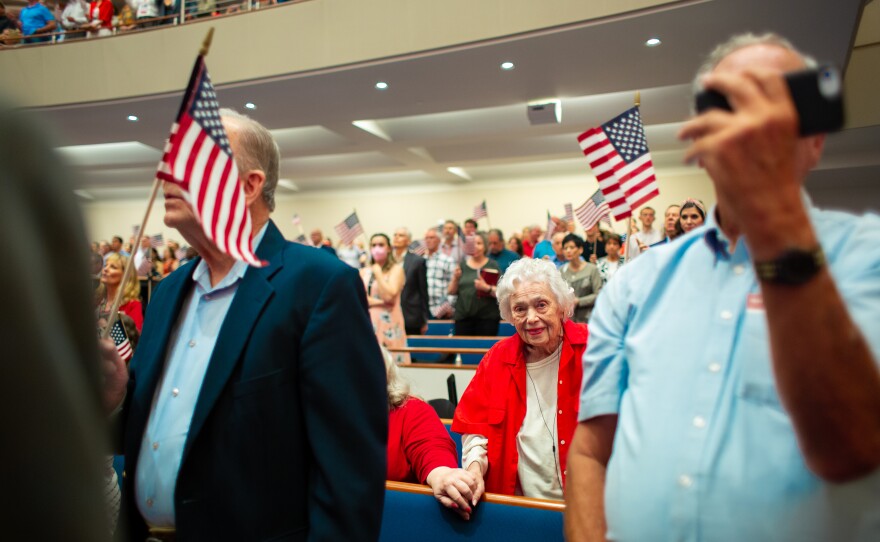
<point>125,22</point>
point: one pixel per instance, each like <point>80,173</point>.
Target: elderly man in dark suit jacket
<point>256,407</point>
<point>414,299</point>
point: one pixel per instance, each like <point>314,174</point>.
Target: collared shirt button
<point>726,315</point>
<point>739,269</point>
<point>714,367</point>
<point>685,481</point>
<point>175,392</point>
<point>562,443</point>
<point>699,421</point>
<point>149,502</point>
<point>560,381</point>
<point>560,411</point>
<point>155,445</point>
<point>192,344</point>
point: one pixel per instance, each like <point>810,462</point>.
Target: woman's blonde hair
<point>131,289</point>
<point>398,388</point>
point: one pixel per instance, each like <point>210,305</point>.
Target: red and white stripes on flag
<point>296,221</point>
<point>418,247</point>
<point>470,244</point>
<point>349,229</point>
<point>157,240</point>
<point>198,159</point>
<point>593,210</point>
<point>618,153</point>
<point>480,210</point>
<point>569,214</point>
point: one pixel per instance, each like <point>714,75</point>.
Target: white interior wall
<point>512,205</point>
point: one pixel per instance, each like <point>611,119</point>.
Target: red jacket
<point>494,403</point>
<point>417,442</point>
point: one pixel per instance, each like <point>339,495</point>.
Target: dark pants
<point>476,327</point>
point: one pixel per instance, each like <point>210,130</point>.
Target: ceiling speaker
<point>545,112</point>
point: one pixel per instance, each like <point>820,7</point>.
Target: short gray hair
<point>397,387</point>
<point>405,231</point>
<point>740,41</point>
<point>257,150</point>
<point>532,271</point>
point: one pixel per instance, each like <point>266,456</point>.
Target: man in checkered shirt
<point>440,269</point>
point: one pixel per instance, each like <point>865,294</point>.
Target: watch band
<point>794,266</point>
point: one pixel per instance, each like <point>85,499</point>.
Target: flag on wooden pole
<point>199,159</point>
<point>618,153</point>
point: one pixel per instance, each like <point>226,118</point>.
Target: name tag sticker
<point>755,303</point>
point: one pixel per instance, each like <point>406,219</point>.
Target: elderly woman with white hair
<point>519,412</point>
<point>420,449</point>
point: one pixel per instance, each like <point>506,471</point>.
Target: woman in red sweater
<point>420,449</point>
<point>111,282</point>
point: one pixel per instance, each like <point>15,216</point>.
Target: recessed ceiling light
<point>250,105</point>
<point>653,42</point>
<point>507,66</point>
<point>381,85</point>
<point>132,118</point>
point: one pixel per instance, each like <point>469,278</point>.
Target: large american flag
<point>593,210</point>
<point>618,153</point>
<point>199,159</point>
<point>480,210</point>
<point>120,339</point>
<point>349,229</point>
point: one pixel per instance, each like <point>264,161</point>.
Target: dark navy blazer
<point>287,440</point>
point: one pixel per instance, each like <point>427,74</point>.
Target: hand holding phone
<point>817,94</point>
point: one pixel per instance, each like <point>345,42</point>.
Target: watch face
<point>795,266</point>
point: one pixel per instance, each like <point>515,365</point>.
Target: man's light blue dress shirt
<point>189,352</point>
<point>704,450</point>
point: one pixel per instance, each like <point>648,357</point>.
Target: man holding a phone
<point>764,422</point>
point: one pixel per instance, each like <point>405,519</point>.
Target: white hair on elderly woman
<point>398,388</point>
<point>534,271</point>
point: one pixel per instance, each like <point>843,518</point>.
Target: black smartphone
<point>817,95</point>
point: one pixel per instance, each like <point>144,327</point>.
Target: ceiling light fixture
<point>251,105</point>
<point>381,85</point>
<point>132,118</point>
<point>372,127</point>
<point>507,65</point>
<point>653,42</point>
<point>458,172</point>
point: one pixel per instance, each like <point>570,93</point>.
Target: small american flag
<point>618,153</point>
<point>135,230</point>
<point>144,265</point>
<point>551,226</point>
<point>445,310</point>
<point>418,247</point>
<point>593,210</point>
<point>123,346</point>
<point>199,159</point>
<point>296,220</point>
<point>480,210</point>
<point>349,229</point>
<point>301,239</point>
<point>470,245</point>
<point>157,240</point>
<point>569,214</point>
<point>180,253</point>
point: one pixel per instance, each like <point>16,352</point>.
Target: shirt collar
<point>202,276</point>
<point>718,242</point>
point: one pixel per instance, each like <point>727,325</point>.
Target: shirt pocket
<point>757,384</point>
